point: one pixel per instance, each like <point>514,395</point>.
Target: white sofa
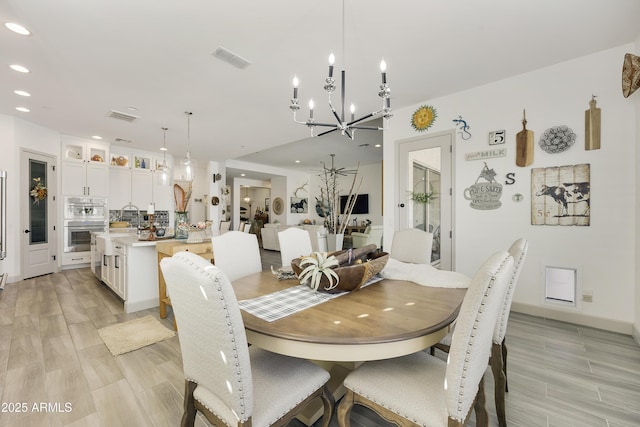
<point>317,233</point>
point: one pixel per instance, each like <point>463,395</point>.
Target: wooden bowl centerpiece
<point>340,271</point>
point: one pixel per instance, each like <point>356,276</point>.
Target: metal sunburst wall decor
<point>423,118</point>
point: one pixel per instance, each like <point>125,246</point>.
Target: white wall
<point>557,95</point>
<point>371,176</point>
<point>16,134</point>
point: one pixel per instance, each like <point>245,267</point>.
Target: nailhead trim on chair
<point>242,416</point>
<point>475,327</point>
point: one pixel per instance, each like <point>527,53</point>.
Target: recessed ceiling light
<point>164,149</point>
<point>96,137</point>
<point>17,28</point>
<point>23,109</point>
<point>19,68</point>
<point>297,161</point>
<point>242,174</point>
<point>378,145</point>
<point>21,93</point>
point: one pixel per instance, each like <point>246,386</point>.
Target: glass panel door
<point>425,188</point>
<point>426,203</point>
<point>38,213</point>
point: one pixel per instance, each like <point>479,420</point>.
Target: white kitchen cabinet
<point>119,283</point>
<point>77,150</point>
<point>84,168</point>
<point>85,179</point>
<point>134,179</point>
<point>133,186</point>
<point>75,258</point>
<point>107,270</point>
<point>141,188</point>
<point>162,196</point>
<point>119,187</point>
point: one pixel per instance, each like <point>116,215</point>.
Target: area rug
<point>134,334</point>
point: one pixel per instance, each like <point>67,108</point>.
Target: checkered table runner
<point>279,304</point>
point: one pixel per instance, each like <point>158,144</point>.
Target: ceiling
<point>88,58</point>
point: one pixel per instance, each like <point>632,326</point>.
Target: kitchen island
<point>130,268</point>
<point>138,272</point>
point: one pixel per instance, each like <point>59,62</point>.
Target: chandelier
<point>346,127</point>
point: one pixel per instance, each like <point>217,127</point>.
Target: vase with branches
<point>335,221</point>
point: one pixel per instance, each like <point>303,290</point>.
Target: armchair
<point>371,235</point>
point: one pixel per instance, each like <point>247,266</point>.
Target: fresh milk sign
<point>488,154</point>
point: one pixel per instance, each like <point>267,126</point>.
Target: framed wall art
<point>299,205</point>
<point>561,195</point>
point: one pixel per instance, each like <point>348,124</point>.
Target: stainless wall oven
<point>82,216</point>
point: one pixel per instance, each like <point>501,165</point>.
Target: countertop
<point>134,242</point>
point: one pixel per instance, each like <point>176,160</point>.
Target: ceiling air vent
<point>122,116</point>
<point>227,56</point>
<point>128,141</point>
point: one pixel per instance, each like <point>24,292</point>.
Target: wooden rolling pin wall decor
<point>592,126</point>
<point>524,144</point>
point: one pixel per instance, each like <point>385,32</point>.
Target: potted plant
<point>329,203</point>
<point>316,266</point>
<point>423,198</point>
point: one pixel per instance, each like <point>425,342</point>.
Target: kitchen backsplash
<point>161,218</point>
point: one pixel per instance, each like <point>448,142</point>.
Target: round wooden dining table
<point>386,319</point>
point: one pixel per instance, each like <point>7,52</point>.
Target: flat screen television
<point>361,206</point>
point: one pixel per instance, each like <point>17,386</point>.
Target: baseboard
<point>11,279</point>
<point>140,305</point>
<point>626,328</point>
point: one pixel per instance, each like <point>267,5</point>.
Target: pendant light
<point>164,172</point>
<point>189,165</point>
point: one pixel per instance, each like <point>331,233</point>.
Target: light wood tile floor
<point>560,375</point>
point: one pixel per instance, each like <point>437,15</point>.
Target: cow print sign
<point>561,195</point>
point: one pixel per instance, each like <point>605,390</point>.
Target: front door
<point>38,223</point>
<point>425,188</point>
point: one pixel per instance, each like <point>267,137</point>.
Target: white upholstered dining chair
<point>227,381</point>
<point>498,360</point>
<point>224,226</point>
<point>237,254</point>
<point>412,245</point>
<point>294,242</point>
<point>422,390</point>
